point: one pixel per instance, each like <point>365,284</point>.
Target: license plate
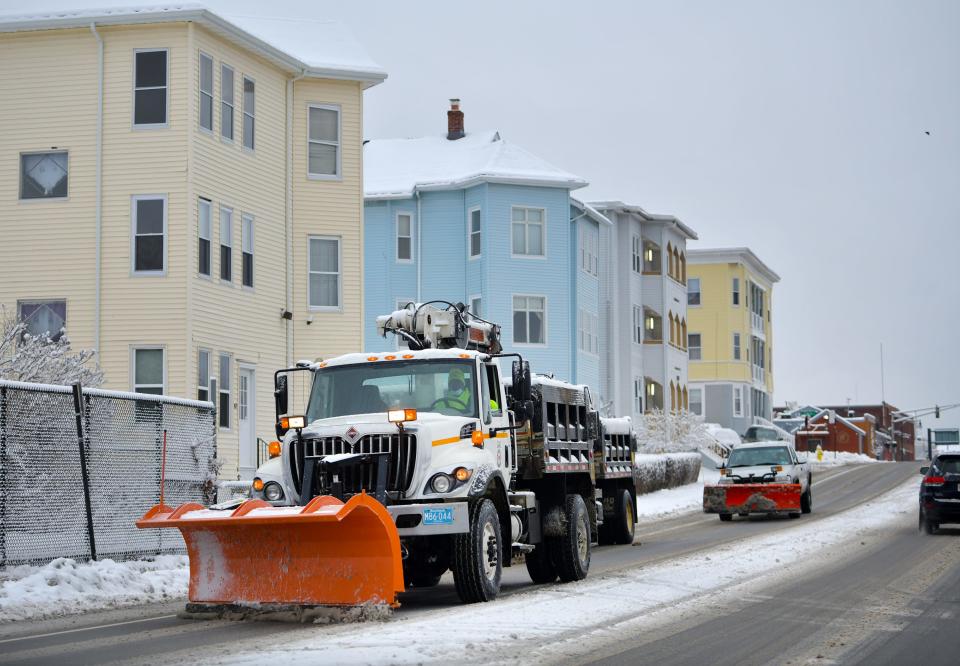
<point>442,516</point>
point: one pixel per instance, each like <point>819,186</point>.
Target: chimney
<point>455,121</point>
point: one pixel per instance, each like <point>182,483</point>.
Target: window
<point>654,394</point>
<point>636,254</point>
<point>696,401</point>
<point>206,92</point>
<point>324,269</point>
<point>149,234</point>
<point>203,375</point>
<point>150,89</point>
<point>651,258</point>
<point>638,395</point>
<point>43,175</point>
<point>589,261</point>
<point>683,333</point>
<point>589,340</point>
<point>148,370</point>
<point>637,324</point>
<point>738,401</point>
<point>476,305</point>
<point>404,237</point>
<point>203,215</point>
<point>736,346</point>
<point>246,249</point>
<point>529,314</point>
<point>693,291</point>
<point>693,346</point>
<point>323,150</point>
<point>226,102</point>
<point>683,268</point>
<point>653,326</point>
<point>528,231</point>
<point>670,265</point>
<point>474,233</point>
<point>226,244</point>
<point>43,318</point>
<point>248,113</point>
<point>223,406</point>
<point>736,291</point>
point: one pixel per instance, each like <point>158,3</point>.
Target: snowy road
<point>150,635</point>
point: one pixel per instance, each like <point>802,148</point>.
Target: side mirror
<point>924,470</point>
<point>281,401</point>
<point>521,381</point>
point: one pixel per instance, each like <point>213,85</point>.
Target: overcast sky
<point>823,135</point>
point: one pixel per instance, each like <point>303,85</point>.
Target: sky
<point>824,135</point>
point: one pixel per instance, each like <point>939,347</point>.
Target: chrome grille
<point>402,448</point>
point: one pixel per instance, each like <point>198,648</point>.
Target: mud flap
<point>752,498</point>
<point>326,553</point>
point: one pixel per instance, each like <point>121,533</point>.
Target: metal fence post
<point>78,414</point>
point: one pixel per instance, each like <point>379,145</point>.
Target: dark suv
<point>940,492</point>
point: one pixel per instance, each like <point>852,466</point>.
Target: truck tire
<point>806,501</point>
<point>477,562</point>
<point>726,517</point>
<point>539,565</point>
<point>623,526</point>
<point>572,550</point>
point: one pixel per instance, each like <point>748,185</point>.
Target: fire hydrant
<point>819,452</point>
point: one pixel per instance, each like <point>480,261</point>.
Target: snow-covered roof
<point>621,207</point>
<point>316,48</point>
<point>737,255</point>
<point>589,211</point>
<point>825,414</point>
<point>396,168</point>
<point>621,425</point>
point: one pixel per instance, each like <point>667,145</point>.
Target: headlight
<point>273,492</point>
<point>441,483</point>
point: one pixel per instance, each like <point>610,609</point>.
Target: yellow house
<point>730,336</point>
<point>182,192</point>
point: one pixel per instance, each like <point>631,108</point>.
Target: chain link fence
<point>73,481</point>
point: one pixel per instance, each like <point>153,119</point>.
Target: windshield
<point>760,456</point>
<point>444,386</point>
<point>760,434</point>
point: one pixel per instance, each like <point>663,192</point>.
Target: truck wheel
<point>726,517</point>
<point>573,548</point>
<point>477,564</point>
<point>929,526</point>
<point>623,522</point>
<point>806,501</point>
<point>540,566</point>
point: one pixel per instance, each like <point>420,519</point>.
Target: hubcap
<point>490,552</point>
<point>630,518</point>
<point>582,543</point>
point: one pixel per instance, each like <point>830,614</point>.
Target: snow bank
<point>658,471</point>
<point>674,501</point>
<point>624,603</point>
<point>838,458</point>
<point>66,586</point>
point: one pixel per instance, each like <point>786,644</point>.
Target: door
<point>247,410</point>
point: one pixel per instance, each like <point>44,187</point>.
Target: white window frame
<point>737,390</point>
<point>338,144</point>
<point>228,391</point>
<point>339,274</point>
<point>397,237</point>
<point>229,238</point>
<point>201,92</point>
<point>737,347</point>
<point>474,298</point>
<point>638,394</point>
<point>31,200</point>
<point>588,333</point>
<point>699,291</point>
<point>544,326</point>
<point>478,232</point>
<point>232,104</point>
<point>735,292</point>
<point>133,234</point>
<point>636,250</point>
<point>638,325</point>
<point>201,387</point>
<point>690,348</point>
<point>543,232</point>
<point>166,87</point>
<point>244,113</point>
<point>703,399</point>
<point>589,261</point>
<point>209,237</point>
<point>247,220</point>
<point>133,366</point>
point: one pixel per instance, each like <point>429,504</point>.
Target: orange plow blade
<point>752,498</point>
<point>326,553</point>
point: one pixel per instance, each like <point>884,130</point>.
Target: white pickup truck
<point>761,477</point>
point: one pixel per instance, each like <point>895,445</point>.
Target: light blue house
<point>476,219</point>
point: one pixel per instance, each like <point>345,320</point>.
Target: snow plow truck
<point>410,463</point>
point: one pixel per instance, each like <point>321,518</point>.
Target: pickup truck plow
<point>327,553</point>
<point>752,498</point>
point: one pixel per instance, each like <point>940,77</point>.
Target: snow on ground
<point>598,608</point>
<point>673,501</point>
<point>66,586</point>
<point>837,458</point>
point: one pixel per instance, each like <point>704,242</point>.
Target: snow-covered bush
<point>670,432</point>
<point>654,472</point>
<point>41,359</point>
